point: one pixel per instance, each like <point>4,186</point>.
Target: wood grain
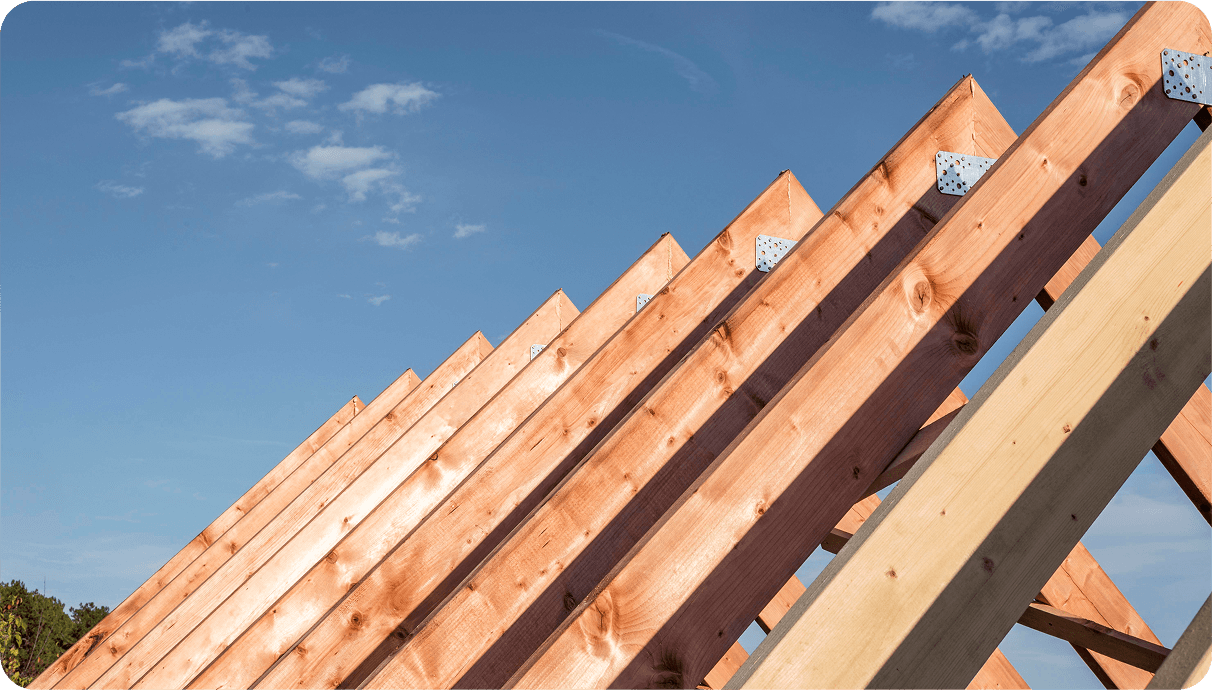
<point>1083,632</point>
<point>432,561</point>
<point>774,493</point>
<point>279,514</point>
<point>586,525</point>
<point>115,618</point>
<point>977,526</point>
<point>333,597</point>
<point>228,602</point>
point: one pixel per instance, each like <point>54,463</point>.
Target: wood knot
<point>856,472</point>
<point>570,602</point>
<point>1128,96</point>
<point>965,343</point>
<point>987,564</point>
<point>561,352</point>
<point>919,293</point>
<point>1066,428</point>
<point>891,573</point>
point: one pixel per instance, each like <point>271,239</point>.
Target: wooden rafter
<point>777,490</point>
<point>329,585</point>
<point>1085,633</point>
<point>74,655</point>
<point>574,539</point>
<point>276,558</point>
<point>394,409</point>
<point>432,560</point>
<point>1057,429</point>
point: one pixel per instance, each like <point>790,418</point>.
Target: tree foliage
<point>35,629</point>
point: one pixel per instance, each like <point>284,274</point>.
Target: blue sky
<point>223,220</point>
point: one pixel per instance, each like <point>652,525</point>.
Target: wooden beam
<point>397,406</point>
<point>728,665</point>
<point>308,529</point>
<point>1185,448</point>
<point>998,674</point>
<point>432,561</point>
<point>587,525</point>
<point>1188,664</point>
<point>76,653</point>
<point>767,501</point>
<point>311,601</point>
<point>1080,587</point>
<point>394,408</point>
<point>997,503</point>
<point>1082,632</point>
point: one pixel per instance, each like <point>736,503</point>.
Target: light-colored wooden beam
<point>980,523</point>
<point>275,559</point>
<point>76,653</point>
<point>1083,632</point>
<point>588,524</point>
<point>779,488</point>
<point>1189,662</point>
<point>329,596</point>
<point>430,563</point>
<point>1107,649</point>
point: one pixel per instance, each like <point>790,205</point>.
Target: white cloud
<point>268,196</point>
<point>142,63</point>
<point>270,104</point>
<point>208,121</point>
<point>699,80</point>
<point>318,207</point>
<point>233,48</point>
<point>116,88</point>
<point>405,201</point>
<point>119,191</point>
<point>403,98</point>
<point>393,239</point>
<point>335,65</point>
<point>923,16</point>
<point>1082,32</point>
<point>1033,37</point>
<point>303,127</point>
<point>239,47</point>
<point>302,88</point>
<point>376,301</point>
<point>182,40</point>
<point>359,183</point>
<point>345,296</point>
<point>328,161</point>
<point>463,230</point>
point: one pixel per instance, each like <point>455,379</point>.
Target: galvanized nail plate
<point>770,250</point>
<point>1185,76</point>
<point>957,172</point>
<point>640,300</point>
<point>535,350</point>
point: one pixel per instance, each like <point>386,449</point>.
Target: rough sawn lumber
<point>76,653</point>
<point>332,581</point>
<point>582,530</point>
<point>264,573</point>
<point>1004,495</point>
<point>432,561</point>
<point>775,492</point>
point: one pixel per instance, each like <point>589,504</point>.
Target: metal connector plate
<point>957,172</point>
<point>1185,76</point>
<point>640,300</point>
<point>770,250</point>
<point>535,350</point>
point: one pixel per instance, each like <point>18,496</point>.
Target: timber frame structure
<point>611,496</point>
